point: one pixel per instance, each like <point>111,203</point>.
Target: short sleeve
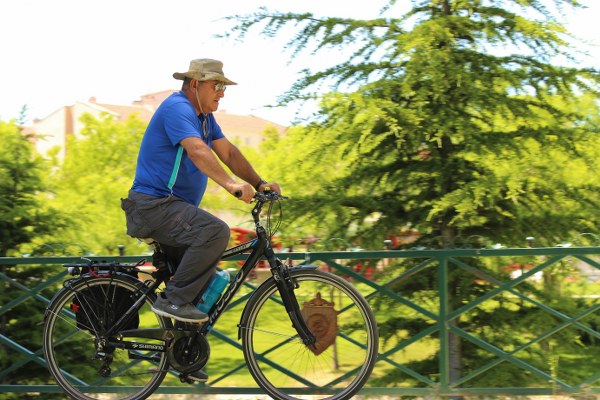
<point>181,122</point>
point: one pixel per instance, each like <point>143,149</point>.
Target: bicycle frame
<point>260,246</point>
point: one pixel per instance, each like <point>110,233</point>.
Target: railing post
<point>444,360</point>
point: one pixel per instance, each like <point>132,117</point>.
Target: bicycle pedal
<point>191,380</point>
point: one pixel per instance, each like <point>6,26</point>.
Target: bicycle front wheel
<point>342,321</point>
<point>76,349</point>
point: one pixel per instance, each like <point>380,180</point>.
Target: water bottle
<point>214,290</point>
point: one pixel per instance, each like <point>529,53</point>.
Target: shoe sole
<point>178,318</point>
<point>202,380</point>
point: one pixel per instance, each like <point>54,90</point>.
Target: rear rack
<point>95,266</point>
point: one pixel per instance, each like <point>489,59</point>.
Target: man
<point>180,150</point>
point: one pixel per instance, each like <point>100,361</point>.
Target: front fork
<point>286,285</point>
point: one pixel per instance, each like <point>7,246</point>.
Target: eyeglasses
<point>219,87</point>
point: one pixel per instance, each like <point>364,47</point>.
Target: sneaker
<point>186,313</point>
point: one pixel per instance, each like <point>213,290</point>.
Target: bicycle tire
<point>71,353</point>
<point>283,366</point>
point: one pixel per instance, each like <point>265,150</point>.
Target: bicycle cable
<point>270,228</point>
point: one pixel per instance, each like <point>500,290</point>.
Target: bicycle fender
<point>271,280</point>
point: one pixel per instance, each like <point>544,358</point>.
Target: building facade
<point>52,131</point>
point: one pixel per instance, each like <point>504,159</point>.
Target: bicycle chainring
<point>188,354</point>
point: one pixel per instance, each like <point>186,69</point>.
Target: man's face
<point>209,94</point>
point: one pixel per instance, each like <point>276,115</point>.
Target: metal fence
<point>449,349</point>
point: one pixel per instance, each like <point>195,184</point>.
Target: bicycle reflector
<point>321,318</point>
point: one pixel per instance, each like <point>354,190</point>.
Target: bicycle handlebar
<point>267,195</point>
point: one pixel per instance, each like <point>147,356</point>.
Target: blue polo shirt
<point>174,120</point>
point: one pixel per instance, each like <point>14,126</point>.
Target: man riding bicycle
<point>180,150</point>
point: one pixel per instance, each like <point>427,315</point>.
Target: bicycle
<point>303,330</point>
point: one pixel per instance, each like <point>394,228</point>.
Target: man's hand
<point>273,186</point>
<point>243,191</point>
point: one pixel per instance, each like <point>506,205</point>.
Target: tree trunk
<point>455,356</point>
<point>454,344</point>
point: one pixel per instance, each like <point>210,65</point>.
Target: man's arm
<point>235,160</point>
<point>239,165</point>
<point>205,160</point>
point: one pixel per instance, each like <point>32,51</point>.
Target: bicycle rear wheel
<point>84,369</point>
<point>340,318</point>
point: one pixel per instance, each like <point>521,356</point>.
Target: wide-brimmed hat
<point>205,69</point>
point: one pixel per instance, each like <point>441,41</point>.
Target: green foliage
<point>460,123</point>
<point>25,218</point>
<point>219,202</point>
<point>24,215</point>
<point>97,171</point>
<point>510,321</point>
<point>22,324</point>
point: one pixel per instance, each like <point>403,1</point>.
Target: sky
<point>57,52</point>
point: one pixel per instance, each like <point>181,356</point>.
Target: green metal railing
<point>454,287</point>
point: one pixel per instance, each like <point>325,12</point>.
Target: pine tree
<point>458,116</point>
<point>24,215</point>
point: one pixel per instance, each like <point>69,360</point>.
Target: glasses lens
<point>220,87</point>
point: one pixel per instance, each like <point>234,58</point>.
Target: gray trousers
<point>173,222</point>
